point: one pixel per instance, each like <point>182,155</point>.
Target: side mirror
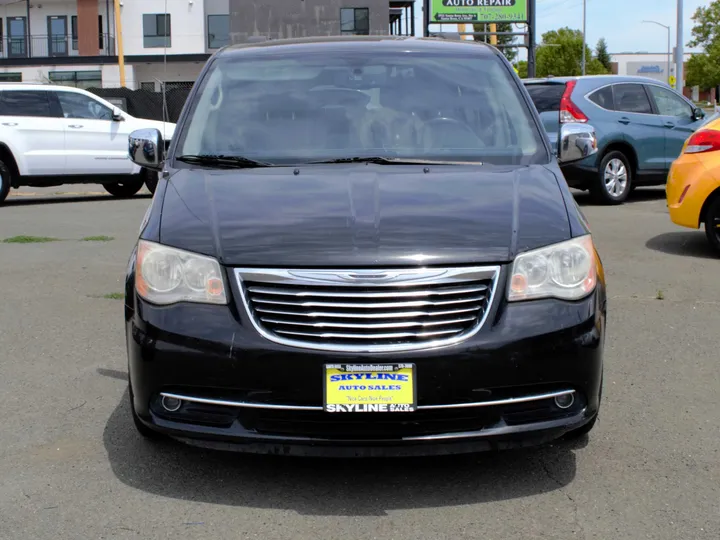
<point>146,148</point>
<point>698,113</point>
<point>577,141</point>
<point>117,115</point>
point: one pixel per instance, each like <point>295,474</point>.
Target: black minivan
<point>363,246</point>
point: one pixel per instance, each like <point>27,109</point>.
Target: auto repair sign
<point>478,11</point>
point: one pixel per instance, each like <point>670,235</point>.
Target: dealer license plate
<point>370,388</point>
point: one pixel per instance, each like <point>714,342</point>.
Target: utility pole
<point>532,4</point>
<point>666,27</point>
<point>679,52</point>
<point>584,27</point>
<point>493,36</point>
<point>118,37</point>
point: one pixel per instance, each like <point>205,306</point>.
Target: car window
<point>81,106</point>
<point>25,103</point>
<point>298,108</point>
<point>546,97</point>
<point>668,103</point>
<point>631,98</point>
<point>603,98</point>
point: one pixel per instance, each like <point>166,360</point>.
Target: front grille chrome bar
<point>366,311</point>
<point>274,406</point>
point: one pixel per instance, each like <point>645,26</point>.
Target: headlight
<point>567,270</point>
<point>165,275</point>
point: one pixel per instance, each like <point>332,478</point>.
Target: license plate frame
<point>378,393</point>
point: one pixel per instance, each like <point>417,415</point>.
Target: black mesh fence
<point>146,103</point>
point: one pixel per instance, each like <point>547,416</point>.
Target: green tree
<point>509,52</point>
<point>707,25</point>
<point>602,54</point>
<point>522,67</point>
<point>703,70</point>
<point>560,54</point>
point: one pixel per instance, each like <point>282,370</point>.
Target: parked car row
<point>54,135</point>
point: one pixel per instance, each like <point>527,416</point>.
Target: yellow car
<point>693,186</point>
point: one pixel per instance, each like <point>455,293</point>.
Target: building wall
<point>174,72</point>
<point>279,19</point>
<point>187,24</point>
<point>653,65</point>
<point>39,13</point>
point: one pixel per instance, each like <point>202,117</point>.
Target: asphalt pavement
<point>73,467</point>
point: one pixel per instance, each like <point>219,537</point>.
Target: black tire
<point>141,428</point>
<point>151,180</point>
<point>124,189</point>
<point>712,224</point>
<point>609,192</point>
<point>5,182</point>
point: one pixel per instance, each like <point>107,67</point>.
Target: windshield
<point>318,107</point>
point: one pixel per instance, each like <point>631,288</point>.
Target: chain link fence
<point>165,105</point>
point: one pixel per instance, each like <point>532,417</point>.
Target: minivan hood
<point>363,215</point>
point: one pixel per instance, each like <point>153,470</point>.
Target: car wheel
<point>5,182</point>
<point>141,428</point>
<point>614,181</point>
<point>151,180</point>
<point>712,224</point>
<point>124,189</point>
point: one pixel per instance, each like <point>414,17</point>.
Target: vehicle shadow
<point>687,244</point>
<point>60,199</point>
<point>584,198</point>
<point>329,487</point>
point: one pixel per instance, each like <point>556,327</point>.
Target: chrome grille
<point>368,310</point>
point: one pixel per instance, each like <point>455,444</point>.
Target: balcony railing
<point>51,46</point>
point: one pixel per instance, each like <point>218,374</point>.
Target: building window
<point>74,32</point>
<point>1,35</point>
<point>355,21</point>
<point>77,79</point>
<point>156,30</point>
<point>218,31</point>
<point>10,77</point>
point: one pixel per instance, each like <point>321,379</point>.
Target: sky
<point>618,21</point>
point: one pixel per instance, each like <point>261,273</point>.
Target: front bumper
<point>581,174</point>
<point>690,182</point>
<point>213,354</point>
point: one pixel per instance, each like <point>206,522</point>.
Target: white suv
<point>54,135</point>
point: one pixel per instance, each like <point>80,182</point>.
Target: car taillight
<point>569,112</point>
<point>705,140</point>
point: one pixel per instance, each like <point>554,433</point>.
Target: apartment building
<point>75,42</point>
<point>279,19</point>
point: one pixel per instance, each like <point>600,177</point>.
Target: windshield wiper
<point>229,162</point>
<point>384,160</point>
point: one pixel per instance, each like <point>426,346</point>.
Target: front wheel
<point>5,178</point>
<point>614,179</point>
<point>712,224</point>
<point>124,189</point>
<point>151,180</point>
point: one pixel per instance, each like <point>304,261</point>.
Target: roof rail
<point>257,39</point>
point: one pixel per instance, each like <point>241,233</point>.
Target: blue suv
<point>641,126</point>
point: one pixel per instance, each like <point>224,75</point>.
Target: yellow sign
<point>672,80</point>
<point>370,388</point>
